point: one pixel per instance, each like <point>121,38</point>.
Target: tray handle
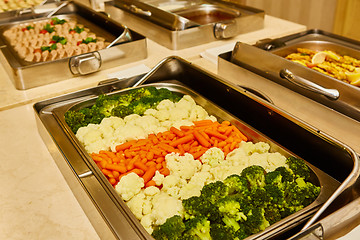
<point>333,94</point>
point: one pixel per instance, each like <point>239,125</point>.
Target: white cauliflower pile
<point>113,131</point>
<point>152,206</point>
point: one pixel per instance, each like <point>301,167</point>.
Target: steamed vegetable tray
<point>185,175</point>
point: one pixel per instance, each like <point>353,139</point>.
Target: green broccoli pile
<point>136,101</point>
<point>242,205</point>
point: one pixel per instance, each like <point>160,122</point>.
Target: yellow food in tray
<point>344,68</point>
<point>9,5</point>
<point>52,39</point>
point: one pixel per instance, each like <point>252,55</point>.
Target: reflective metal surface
<point>181,24</point>
<point>131,47</point>
<point>256,117</point>
<point>270,63</point>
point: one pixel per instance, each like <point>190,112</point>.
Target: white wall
<point>312,13</point>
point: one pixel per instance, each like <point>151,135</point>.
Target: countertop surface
<point>35,200</point>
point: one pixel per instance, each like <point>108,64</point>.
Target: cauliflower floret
<point>107,132</point>
<point>183,166</point>
<point>96,146</point>
<point>186,102</point>
<point>172,185</point>
<point>147,222</point>
<point>151,191</point>
<point>131,118</point>
<point>129,185</point>
<point>198,112</point>
<point>250,148</point>
<point>190,190</point>
<point>113,122</point>
<point>178,113</point>
<point>162,115</point>
<point>158,178</point>
<point>150,112</point>
<point>164,207</point>
<point>130,132</point>
<point>89,134</point>
<point>136,204</point>
<point>165,105</point>
<point>148,123</point>
<point>269,161</point>
<point>213,156</point>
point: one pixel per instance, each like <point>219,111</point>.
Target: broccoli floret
<point>231,212</point>
<point>107,107</point>
<point>275,196</point>
<point>273,178</point>
<point>286,174</point>
<point>138,93</point>
<point>214,191</point>
<point>272,214</point>
<point>258,197</point>
<point>197,206</point>
<point>172,229</point>
<point>165,93</point>
<point>301,193</point>
<point>223,232</point>
<point>236,184</point>
<point>299,167</point>
<point>74,119</point>
<point>197,228</point>
<point>121,111</point>
<point>255,175</point>
<point>81,118</point>
<point>256,221</point>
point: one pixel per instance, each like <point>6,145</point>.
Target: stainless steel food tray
<point>39,10</point>
<point>26,75</point>
<point>182,24</point>
<point>257,118</point>
<point>266,59</point>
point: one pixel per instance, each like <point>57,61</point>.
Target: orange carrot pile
<point>145,156</point>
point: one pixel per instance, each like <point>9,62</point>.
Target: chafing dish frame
<point>176,32</point>
<point>266,58</point>
<point>25,75</point>
<point>258,113</point>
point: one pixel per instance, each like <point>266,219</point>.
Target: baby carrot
<point>112,181</point>
<point>216,134</point>
<point>200,138</point>
<point>137,171</point>
<point>149,155</point>
<point>203,122</point>
<point>166,147</point>
<point>177,132</point>
<point>124,146</point>
<point>150,183</point>
<point>117,167</point>
<point>140,165</point>
<point>165,171</point>
<point>198,154</point>
<point>148,175</point>
<point>182,140</point>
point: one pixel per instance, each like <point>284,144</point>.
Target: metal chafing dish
<point>126,46</point>
<point>182,24</point>
<point>266,59</point>
<point>36,8</point>
<point>256,117</point>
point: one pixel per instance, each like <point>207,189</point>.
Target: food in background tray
<point>52,39</point>
<point>344,68</point>
<point>8,5</point>
<point>184,173</point>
